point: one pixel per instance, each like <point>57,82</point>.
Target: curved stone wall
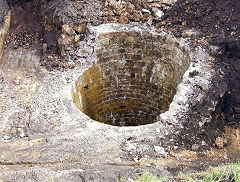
<point>134,78</point>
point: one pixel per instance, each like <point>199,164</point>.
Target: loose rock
<point>160,150</point>
<point>195,147</point>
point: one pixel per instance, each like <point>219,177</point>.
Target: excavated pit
<point>133,80</point>
<point>132,76</point>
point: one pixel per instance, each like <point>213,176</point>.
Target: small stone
<point>81,29</point>
<point>79,6</point>
<point>106,4</point>
<point>161,137</point>
<point>77,38</point>
<point>30,144</point>
<point>158,30</point>
<point>168,1</point>
<point>111,3</point>
<point>129,146</point>
<point>195,147</point>
<point>44,48</point>
<point>137,17</point>
<point>130,8</point>
<point>149,22</point>
<point>148,165</point>
<point>17,82</point>
<point>123,20</point>
<point>65,42</point>
<point>233,33</point>
<point>184,23</point>
<point>160,150</point>
<point>135,159</point>
<point>184,35</point>
<point>66,29</point>
<point>130,180</point>
<point>159,13</point>
<point>118,11</point>
<point>22,132</point>
<point>110,13</point>
<point>193,33</point>
<point>203,143</point>
<point>84,52</point>
<point>219,142</point>
<point>22,135</point>
<point>158,130</point>
<point>112,19</point>
<point>146,11</point>
<point>190,33</point>
<point>175,147</point>
<point>6,137</point>
<point>163,22</point>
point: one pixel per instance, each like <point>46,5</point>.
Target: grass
<point>146,176</point>
<point>227,173</point>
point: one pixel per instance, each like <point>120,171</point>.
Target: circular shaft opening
<point>134,79</point>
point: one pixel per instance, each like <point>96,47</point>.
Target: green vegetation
<point>149,177</point>
<point>227,173</point>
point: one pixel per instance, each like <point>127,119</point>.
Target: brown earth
<point>25,32</point>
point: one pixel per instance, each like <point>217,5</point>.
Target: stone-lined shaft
<point>134,79</point>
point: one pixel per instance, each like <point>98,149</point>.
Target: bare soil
<point>26,24</point>
<point>218,22</point>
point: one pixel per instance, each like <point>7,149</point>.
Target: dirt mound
<point>26,21</point>
<point>59,12</point>
<point>217,22</point>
